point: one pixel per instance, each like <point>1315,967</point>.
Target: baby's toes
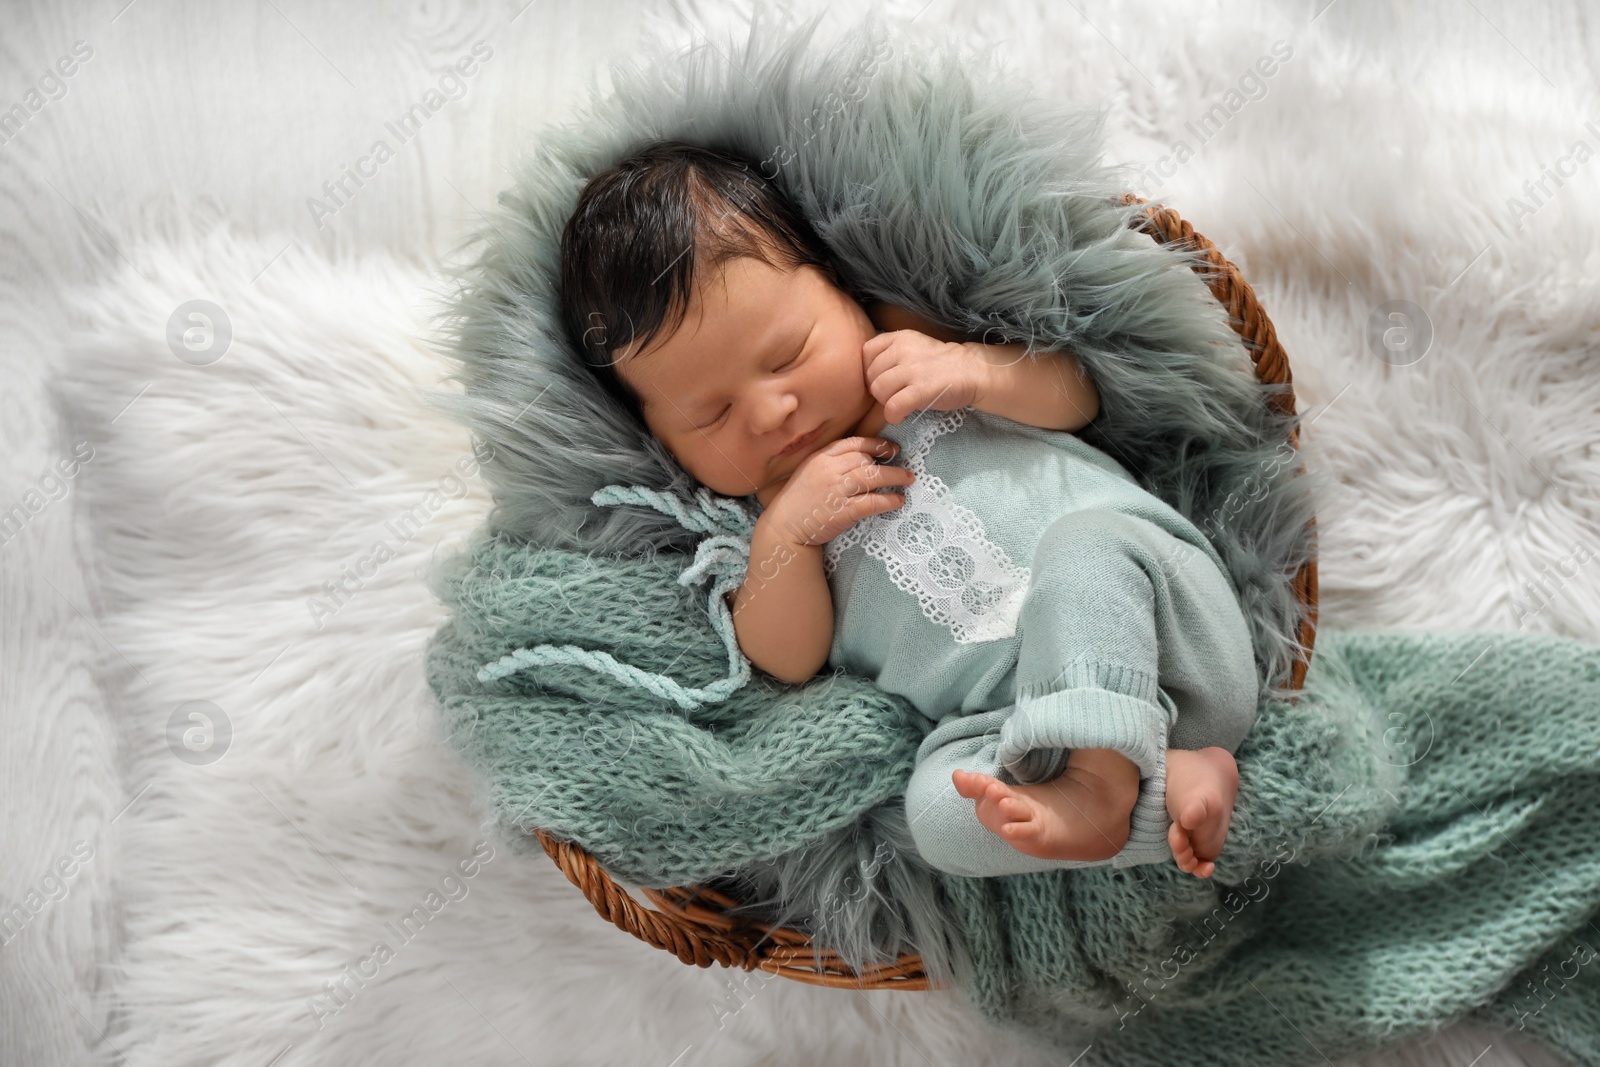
<point>1182,850</point>
<point>1014,809</point>
<point>1195,814</point>
<point>1000,802</point>
<point>990,817</point>
<point>970,784</point>
<point>997,792</point>
<point>1008,815</point>
<point>1207,827</point>
<point>1021,832</point>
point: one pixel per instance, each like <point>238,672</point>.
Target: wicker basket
<point>693,922</point>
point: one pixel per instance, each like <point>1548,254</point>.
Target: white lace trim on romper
<point>937,550</point>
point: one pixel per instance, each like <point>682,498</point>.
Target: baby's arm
<point>783,613</point>
<point>1050,390</point>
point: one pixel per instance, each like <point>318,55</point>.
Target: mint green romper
<point>1031,597</point>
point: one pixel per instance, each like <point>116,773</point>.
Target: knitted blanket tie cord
<point>721,559</point>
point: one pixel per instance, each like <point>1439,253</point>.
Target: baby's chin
<point>724,490</point>
<point>733,489</point>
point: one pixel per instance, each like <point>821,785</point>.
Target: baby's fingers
<point>875,345</point>
<point>881,447</point>
<point>859,506</point>
<point>919,395</point>
<point>872,476</point>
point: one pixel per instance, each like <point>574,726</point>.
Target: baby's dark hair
<point>625,274</point>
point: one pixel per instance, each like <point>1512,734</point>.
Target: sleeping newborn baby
<point>928,520</point>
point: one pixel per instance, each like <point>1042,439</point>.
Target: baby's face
<point>762,358</point>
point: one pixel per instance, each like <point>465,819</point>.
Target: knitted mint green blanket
<point>1413,842</point>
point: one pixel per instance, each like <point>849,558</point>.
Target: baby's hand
<point>908,371</point>
<point>832,490</point>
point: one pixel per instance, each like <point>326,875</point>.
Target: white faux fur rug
<point>260,508</point>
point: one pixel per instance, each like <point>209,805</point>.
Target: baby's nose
<point>775,411</point>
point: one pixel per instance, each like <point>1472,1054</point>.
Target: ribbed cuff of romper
<point>1097,705</point>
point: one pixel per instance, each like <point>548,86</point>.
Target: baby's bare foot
<point>1201,787</point>
<point>1039,820</point>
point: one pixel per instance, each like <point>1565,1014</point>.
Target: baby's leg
<point>1118,611</point>
<point>945,825</point>
<point>1083,814</point>
<point>1201,788</point>
<point>1116,616</point>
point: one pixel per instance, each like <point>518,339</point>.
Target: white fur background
<point>175,565</point>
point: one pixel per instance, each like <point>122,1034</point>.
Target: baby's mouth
<point>798,443</point>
